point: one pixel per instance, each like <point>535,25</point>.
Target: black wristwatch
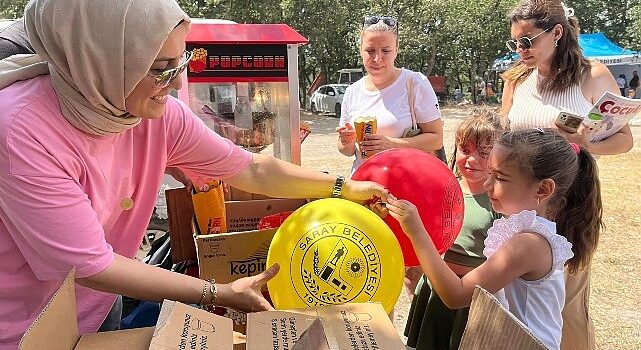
<point>338,186</point>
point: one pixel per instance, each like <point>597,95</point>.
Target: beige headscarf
<point>96,53</point>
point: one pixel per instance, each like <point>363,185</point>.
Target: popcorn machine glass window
<point>242,82</point>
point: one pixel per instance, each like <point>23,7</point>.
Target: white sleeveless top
<point>531,109</point>
<point>537,304</point>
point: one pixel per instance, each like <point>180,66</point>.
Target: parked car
<point>328,99</point>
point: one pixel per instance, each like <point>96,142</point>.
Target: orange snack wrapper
<point>209,208</point>
<point>364,126</point>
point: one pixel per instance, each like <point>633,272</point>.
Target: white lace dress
<point>537,304</point>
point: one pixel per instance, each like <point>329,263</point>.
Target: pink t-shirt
<point>61,192</point>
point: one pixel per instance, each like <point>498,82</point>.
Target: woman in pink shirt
<point>86,131</point>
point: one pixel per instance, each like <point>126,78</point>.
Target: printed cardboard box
<point>179,327</point>
<point>242,216</point>
<point>348,326</point>
<point>184,327</point>
<point>228,256</point>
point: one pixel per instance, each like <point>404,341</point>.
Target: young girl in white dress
<point>549,194</point>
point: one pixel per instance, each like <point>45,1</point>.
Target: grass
<point>616,296</point>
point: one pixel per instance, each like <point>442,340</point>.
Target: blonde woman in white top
<point>383,94</point>
<point>553,75</point>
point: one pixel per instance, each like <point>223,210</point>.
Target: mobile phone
<point>568,122</point>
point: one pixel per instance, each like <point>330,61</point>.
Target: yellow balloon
<point>333,251</point>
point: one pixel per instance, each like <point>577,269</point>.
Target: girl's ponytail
<point>580,219</point>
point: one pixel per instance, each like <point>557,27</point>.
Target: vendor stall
<point>243,83</point>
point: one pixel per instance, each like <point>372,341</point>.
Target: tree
<point>331,29</point>
<point>12,8</point>
<point>607,16</point>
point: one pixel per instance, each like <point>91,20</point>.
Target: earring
<point>556,43</point>
<point>538,200</point>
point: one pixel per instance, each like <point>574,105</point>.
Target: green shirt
<point>468,246</point>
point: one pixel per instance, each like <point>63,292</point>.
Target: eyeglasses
<point>388,20</point>
<point>524,42</point>
<point>164,77</point>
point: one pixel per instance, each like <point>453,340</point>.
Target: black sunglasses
<point>388,20</point>
<point>524,42</point>
<point>164,77</point>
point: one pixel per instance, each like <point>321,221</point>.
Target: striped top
<point>531,109</point>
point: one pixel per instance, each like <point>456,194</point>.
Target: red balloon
<point>426,182</point>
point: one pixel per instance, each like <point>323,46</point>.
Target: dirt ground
<point>616,293</point>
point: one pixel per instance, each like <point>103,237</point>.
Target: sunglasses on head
<point>164,77</point>
<point>388,20</point>
<point>524,43</point>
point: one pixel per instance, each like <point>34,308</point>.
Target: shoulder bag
<point>414,130</point>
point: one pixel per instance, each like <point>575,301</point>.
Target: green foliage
<point>456,38</point>
<point>632,37</point>
<point>10,9</point>
<point>608,16</point>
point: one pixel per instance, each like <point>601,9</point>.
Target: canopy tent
<point>598,46</point>
<point>595,46</point>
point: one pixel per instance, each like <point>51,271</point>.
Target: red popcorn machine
<point>242,81</point>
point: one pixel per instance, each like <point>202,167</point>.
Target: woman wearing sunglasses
<point>383,94</point>
<point>553,75</point>
<point>87,128</point>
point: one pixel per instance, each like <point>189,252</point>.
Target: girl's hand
<point>407,215</point>
<point>379,208</point>
<point>346,134</point>
<point>375,143</point>
<point>244,294</point>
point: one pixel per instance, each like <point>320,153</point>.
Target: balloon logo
<point>333,251</point>
<point>425,181</point>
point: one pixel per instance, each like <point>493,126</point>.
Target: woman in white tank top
<point>553,76</point>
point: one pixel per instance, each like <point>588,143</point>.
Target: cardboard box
<point>184,327</point>
<point>241,252</point>
<point>57,328</point>
<point>348,326</point>
<point>491,327</point>
<point>241,216</point>
<point>179,327</point>
<point>230,256</point>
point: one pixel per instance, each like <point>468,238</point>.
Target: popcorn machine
<point>242,81</point>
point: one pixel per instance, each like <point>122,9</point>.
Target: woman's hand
<point>375,143</point>
<point>346,135</point>
<point>580,137</point>
<point>407,216</point>
<point>244,294</point>
<point>364,191</point>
